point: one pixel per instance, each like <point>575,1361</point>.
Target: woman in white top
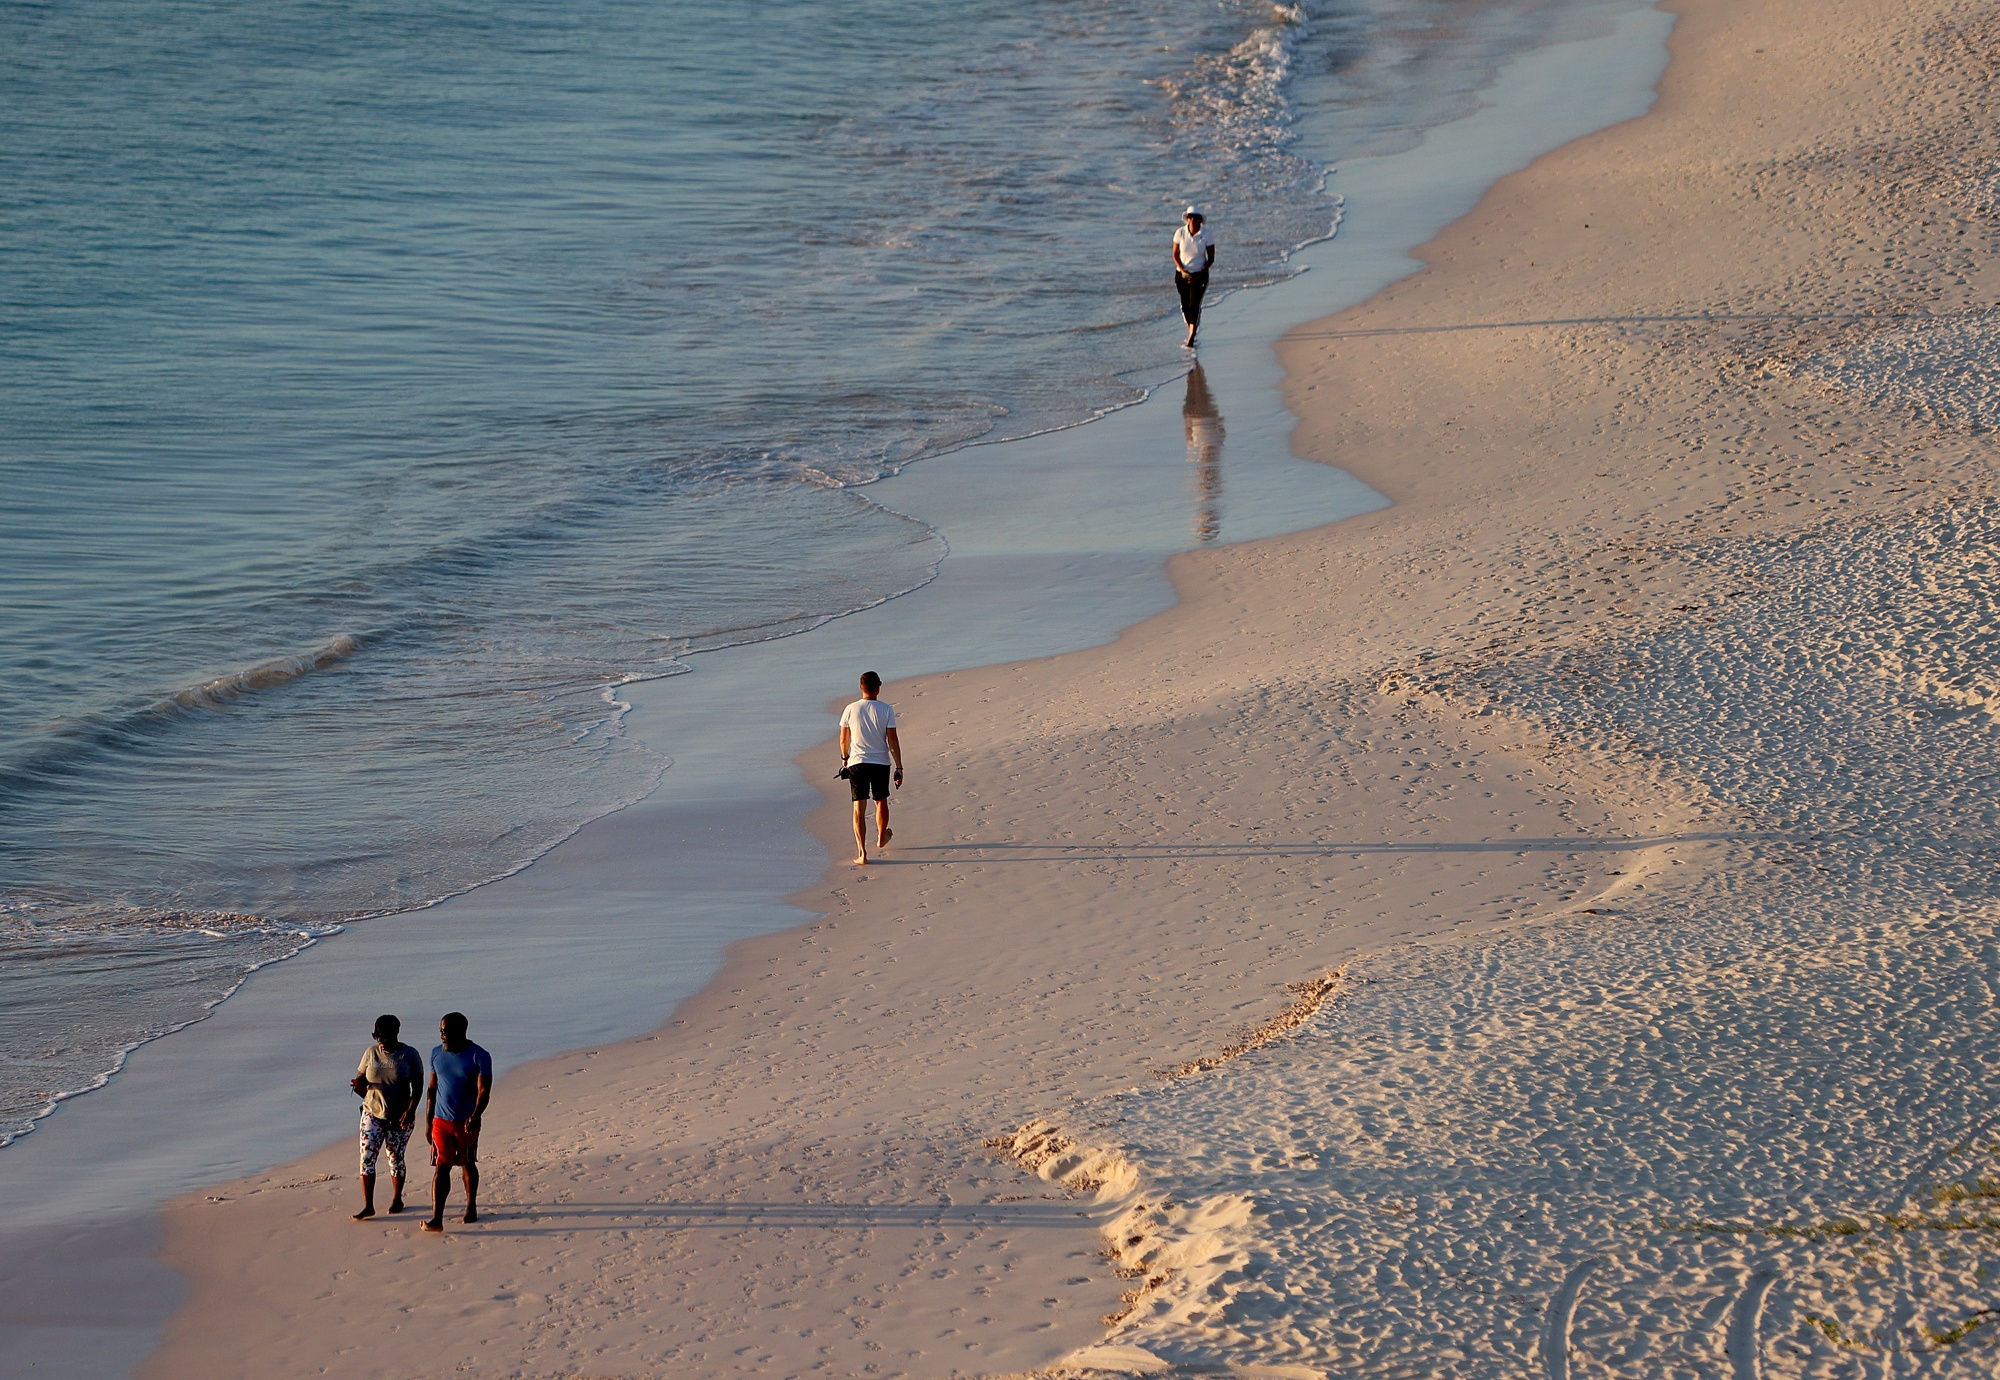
<point>389,1078</point>
<point>1194,255</point>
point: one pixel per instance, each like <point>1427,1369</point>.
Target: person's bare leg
<point>440,1191</point>
<point>367,1199</point>
<point>882,831</point>
<point>471,1191</point>
<point>860,833</point>
<point>396,1188</point>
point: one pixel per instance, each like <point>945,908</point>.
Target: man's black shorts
<point>869,778</point>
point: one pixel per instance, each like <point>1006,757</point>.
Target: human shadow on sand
<point>557,1218</point>
<point>1687,318</point>
<point>1311,848</point>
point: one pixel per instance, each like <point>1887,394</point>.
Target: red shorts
<point>453,1142</point>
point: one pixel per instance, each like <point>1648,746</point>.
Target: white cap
<point>1193,211</point>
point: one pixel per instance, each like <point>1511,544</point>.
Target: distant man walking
<point>461,1081</point>
<point>868,746</point>
<point>390,1076</point>
<point>1194,255</point>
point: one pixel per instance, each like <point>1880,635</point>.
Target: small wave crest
<point>69,747</point>
<point>54,919</point>
<point>265,675</point>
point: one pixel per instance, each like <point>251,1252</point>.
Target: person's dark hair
<point>870,681</point>
<point>387,1027</point>
<point>454,1023</point>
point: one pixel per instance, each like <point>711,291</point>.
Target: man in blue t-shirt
<point>461,1081</point>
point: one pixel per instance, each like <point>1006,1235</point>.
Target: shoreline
<point>1121,570</point>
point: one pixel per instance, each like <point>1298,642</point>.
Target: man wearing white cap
<point>1194,255</point>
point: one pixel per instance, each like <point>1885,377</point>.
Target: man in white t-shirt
<point>868,748</point>
<point>1194,255</point>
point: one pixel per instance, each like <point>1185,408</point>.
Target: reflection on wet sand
<point>1204,452</point>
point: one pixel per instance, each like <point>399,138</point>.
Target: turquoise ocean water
<point>381,386</point>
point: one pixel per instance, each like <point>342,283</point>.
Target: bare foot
<point>434,1224</point>
<point>887,834</point>
<point>471,1216</point>
<point>366,1213</point>
<point>858,860</point>
<point>396,1206</point>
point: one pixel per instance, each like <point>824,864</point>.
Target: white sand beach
<point>1542,926</point>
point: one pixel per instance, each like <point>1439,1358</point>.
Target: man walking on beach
<point>868,745</point>
<point>461,1081</point>
<point>1194,255</point>
<point>390,1075</point>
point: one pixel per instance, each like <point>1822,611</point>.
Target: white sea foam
<point>102,966</point>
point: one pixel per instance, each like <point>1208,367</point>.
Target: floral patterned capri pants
<point>376,1133</point>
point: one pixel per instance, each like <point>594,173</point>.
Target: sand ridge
<point>1632,768</point>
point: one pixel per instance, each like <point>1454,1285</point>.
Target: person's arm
<point>431,1100</point>
<point>1179,267</point>
<point>846,737</point>
<point>412,1084</point>
<point>485,1091</point>
<point>1211,257</point>
<point>896,752</point>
